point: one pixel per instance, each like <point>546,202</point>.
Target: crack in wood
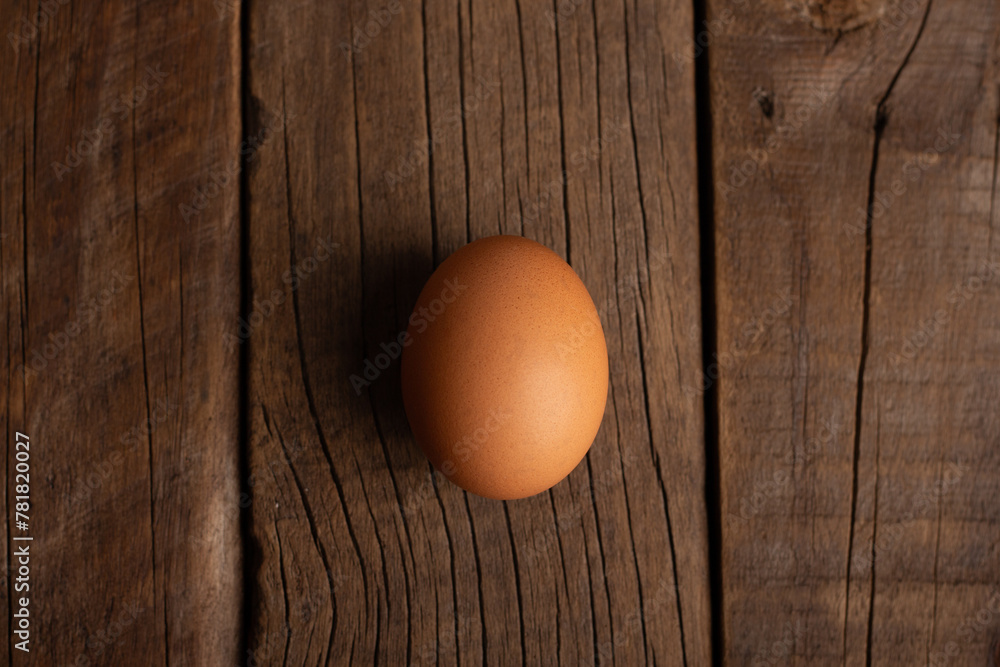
<point>310,519</point>
<point>562,140</point>
<point>465,145</point>
<point>871,590</point>
<point>993,187</point>
<point>663,491</point>
<point>517,583</point>
<point>479,577</point>
<point>430,140</point>
<point>881,119</point>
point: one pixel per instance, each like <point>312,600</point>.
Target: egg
<point>504,368</point>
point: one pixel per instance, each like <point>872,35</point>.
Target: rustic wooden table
<point>212,214</point>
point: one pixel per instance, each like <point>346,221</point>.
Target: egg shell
<point>505,368</point>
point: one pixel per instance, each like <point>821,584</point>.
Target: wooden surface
<point>858,427</point>
<point>212,215</point>
<point>133,420</point>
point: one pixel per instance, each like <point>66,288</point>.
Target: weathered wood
<point>194,194</point>
<point>113,115</point>
<point>452,123</point>
<point>844,415</point>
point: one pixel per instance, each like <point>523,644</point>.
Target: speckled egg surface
<point>505,368</point>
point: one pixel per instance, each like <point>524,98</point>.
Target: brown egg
<point>505,368</point>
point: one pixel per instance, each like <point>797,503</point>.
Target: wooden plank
<point>116,302</point>
<point>446,124</point>
<point>933,357</point>
<point>841,410</point>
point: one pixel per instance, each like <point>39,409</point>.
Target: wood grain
<point>452,123</point>
<point>854,173</point>
<point>214,219</point>
<point>115,306</point>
